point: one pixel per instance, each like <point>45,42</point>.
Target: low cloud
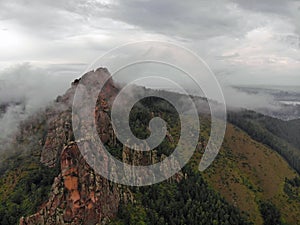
<point>24,89</point>
<point>236,98</point>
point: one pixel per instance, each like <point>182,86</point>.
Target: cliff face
<point>245,173</point>
<point>59,115</point>
<point>78,195</point>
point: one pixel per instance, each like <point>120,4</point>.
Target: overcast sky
<point>243,41</point>
<point>45,44</point>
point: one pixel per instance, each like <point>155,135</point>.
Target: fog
<point>24,89</point>
<point>239,99</point>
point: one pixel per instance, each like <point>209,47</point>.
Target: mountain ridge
<point>73,194</point>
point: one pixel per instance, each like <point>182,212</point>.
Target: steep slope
<point>35,159</point>
<point>281,136</point>
<point>248,173</point>
<point>78,195</point>
<point>46,180</point>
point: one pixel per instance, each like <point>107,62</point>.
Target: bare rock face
<point>59,134</point>
<point>78,195</point>
<point>59,115</point>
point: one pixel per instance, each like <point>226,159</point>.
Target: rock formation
<point>78,194</point>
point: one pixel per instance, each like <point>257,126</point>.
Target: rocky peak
<point>78,194</point>
<point>59,115</point>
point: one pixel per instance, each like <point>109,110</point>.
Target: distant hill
<point>282,136</point>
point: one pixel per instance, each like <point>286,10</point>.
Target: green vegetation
<point>292,188</point>
<point>282,136</point>
<point>247,173</point>
<point>28,194</point>
<point>189,202</point>
<point>247,182</point>
<point>24,182</point>
<point>270,214</point>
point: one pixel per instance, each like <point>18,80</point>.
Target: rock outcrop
<point>78,194</point>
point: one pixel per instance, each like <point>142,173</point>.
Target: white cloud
<point>242,41</point>
<point>24,89</point>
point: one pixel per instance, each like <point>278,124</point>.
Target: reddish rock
<point>78,194</point>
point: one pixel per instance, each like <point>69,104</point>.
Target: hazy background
<point>46,44</point>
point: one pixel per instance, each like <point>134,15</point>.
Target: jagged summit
<point>59,115</point>
<point>78,195</point>
<point>53,184</point>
